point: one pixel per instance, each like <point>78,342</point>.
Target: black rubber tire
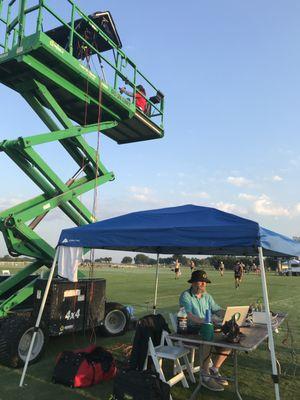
<point>116,320</point>
<point>15,334</point>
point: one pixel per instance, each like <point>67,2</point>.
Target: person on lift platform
<point>140,96</point>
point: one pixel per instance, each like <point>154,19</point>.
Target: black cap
<point>199,276</point>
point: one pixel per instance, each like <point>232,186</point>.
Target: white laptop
<point>260,317</point>
<point>240,312</point>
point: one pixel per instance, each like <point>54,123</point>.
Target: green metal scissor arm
<point>20,237</point>
<point>56,192</point>
<point>72,99</point>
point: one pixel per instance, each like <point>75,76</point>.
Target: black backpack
<point>140,385</point>
<point>148,326</point>
<point>231,331</point>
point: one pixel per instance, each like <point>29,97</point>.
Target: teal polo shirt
<point>197,306</point>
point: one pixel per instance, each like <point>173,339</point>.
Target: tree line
<point>214,261</point>
<point>142,259</point>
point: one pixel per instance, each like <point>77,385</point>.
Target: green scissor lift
<point>47,58</point>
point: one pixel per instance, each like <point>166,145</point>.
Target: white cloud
<point>277,178</point>
<point>230,207</point>
<point>265,206</point>
<point>246,196</point>
<point>238,181</point>
<point>297,209</point>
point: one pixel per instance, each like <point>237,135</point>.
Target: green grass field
<point>135,286</point>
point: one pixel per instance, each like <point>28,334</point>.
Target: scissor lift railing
<point>58,81</point>
<point>32,43</point>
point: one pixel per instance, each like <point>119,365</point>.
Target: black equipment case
<point>70,306</point>
<point>140,385</point>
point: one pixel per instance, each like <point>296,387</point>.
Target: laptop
<point>260,317</point>
<point>240,312</point>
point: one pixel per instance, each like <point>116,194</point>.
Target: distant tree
<point>141,259</point>
<point>104,260</point>
<point>126,260</point>
<point>166,260</point>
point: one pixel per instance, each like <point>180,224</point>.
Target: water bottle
<point>207,316</point>
<point>207,328</point>
<point>130,311</point>
<point>182,321</point>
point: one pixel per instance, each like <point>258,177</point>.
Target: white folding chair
<point>192,350</point>
<point>167,350</point>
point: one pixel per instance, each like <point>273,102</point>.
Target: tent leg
<point>156,285</point>
<point>37,324</point>
<point>275,376</point>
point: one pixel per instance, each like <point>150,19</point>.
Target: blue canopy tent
<point>187,229</point>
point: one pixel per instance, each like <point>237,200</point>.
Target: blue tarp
<point>187,229</point>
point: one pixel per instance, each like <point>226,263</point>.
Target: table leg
<point>235,370</point>
<point>198,387</point>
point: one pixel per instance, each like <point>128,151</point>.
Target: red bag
<point>84,367</point>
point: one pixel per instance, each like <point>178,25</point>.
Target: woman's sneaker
<point>218,377</point>
<point>211,384</point>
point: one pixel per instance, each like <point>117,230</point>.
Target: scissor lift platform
<point>56,59</point>
<point>41,59</point>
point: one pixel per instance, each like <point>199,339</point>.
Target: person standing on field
<point>221,268</point>
<point>192,266</point>
<point>238,273</point>
<point>177,270</point>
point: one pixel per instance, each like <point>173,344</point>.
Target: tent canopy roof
<point>187,229</point>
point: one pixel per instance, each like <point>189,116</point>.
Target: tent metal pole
<point>156,285</point>
<point>37,324</point>
<point>289,273</point>
<point>275,375</point>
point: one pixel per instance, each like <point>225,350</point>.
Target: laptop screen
<point>240,312</point>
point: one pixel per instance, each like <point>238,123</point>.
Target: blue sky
<point>230,73</point>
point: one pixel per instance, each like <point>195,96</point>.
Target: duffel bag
<point>140,385</point>
<point>84,367</point>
